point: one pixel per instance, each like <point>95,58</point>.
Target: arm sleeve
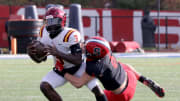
<point>91,69</point>
<point>39,38</point>
<point>74,38</point>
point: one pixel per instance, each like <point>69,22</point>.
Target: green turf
<point>19,80</point>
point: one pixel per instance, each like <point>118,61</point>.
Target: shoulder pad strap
<point>68,34</point>
<point>41,31</point>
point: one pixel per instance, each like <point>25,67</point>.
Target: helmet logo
<point>61,14</point>
<point>49,17</point>
<point>56,13</point>
<point>97,51</point>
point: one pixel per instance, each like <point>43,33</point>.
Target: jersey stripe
<point>41,31</point>
<point>66,38</point>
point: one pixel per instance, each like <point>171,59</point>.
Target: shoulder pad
<point>41,31</point>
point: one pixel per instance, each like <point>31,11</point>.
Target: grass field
<point>20,78</point>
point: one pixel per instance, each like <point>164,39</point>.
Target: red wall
<point>121,24</point>
<point>3,18</point>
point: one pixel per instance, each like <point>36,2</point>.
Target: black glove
<point>71,70</point>
<point>75,49</point>
<point>62,72</point>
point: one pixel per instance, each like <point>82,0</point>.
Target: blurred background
<point>128,25</point>
<point>143,33</point>
<point>121,4</point>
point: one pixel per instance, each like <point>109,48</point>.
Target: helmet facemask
<point>53,26</point>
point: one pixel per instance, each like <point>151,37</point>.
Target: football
<point>40,49</point>
<point>37,51</point>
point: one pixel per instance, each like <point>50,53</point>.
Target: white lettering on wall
<point>94,22</point>
<point>137,27</point>
<point>171,29</point>
<point>107,28</point>
<point>107,25</point>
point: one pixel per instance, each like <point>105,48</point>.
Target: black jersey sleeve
<point>91,69</point>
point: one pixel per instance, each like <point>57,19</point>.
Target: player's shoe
<point>155,87</point>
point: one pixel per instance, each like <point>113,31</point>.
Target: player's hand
<point>52,50</point>
<point>76,49</point>
<point>36,51</point>
<point>32,47</point>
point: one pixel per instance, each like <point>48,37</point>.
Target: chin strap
<point>52,35</point>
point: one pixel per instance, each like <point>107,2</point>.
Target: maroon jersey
<point>108,71</point>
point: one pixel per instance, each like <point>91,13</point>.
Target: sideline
<point>147,55</point>
<point>18,56</point>
<point>118,55</point>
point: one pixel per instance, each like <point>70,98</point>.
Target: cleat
<point>155,87</point>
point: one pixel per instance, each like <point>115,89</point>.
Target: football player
<point>58,40</point>
<point>118,79</point>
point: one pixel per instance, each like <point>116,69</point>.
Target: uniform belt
<point>122,87</point>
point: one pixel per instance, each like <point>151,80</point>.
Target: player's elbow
<point>77,61</point>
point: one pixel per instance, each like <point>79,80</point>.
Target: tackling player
<point>58,40</point>
<point>118,79</point>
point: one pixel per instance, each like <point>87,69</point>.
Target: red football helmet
<point>97,47</point>
<point>55,12</point>
<point>55,20</point>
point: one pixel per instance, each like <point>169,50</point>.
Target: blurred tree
<point>152,4</point>
<point>122,4</point>
<point>132,4</point>
<point>84,3</point>
<point>171,5</point>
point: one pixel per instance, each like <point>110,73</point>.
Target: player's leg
<point>92,85</point>
<point>129,91</point>
<point>97,91</point>
<point>155,87</point>
<point>49,92</point>
<point>48,85</point>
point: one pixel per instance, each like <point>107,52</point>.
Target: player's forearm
<point>78,81</point>
<point>75,81</point>
<point>75,59</point>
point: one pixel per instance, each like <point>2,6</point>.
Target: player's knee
<point>97,91</point>
<point>92,84</point>
<point>45,86</point>
<point>99,94</point>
